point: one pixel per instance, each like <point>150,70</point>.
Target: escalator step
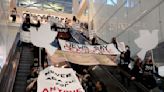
<point>24,64</point>
<point>24,67</point>
<point>21,78</point>
<point>23,71</point>
<point>23,83</point>
<point>19,89</point>
<point>22,74</point>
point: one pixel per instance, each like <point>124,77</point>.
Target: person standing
<point>148,74</point>
<point>114,42</point>
<point>14,14</point>
<point>136,72</point>
<point>127,58</point>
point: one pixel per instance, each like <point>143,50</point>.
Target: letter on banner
<point>89,49</point>
<point>52,79</point>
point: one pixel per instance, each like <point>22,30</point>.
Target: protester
<point>148,74</point>
<point>26,25</point>
<point>88,84</point>
<point>94,41</point>
<point>100,87</point>
<point>114,41</point>
<point>136,72</point>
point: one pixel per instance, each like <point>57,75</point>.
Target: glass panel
<point>112,2</point>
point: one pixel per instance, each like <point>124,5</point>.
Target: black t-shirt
<point>148,69</point>
<point>25,26</point>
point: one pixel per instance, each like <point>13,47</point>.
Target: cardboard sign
<point>88,49</point>
<point>52,79</point>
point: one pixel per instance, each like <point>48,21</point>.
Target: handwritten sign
<point>91,49</point>
<point>53,80</point>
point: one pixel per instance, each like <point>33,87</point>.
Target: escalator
<point>23,70</point>
<point>111,83</point>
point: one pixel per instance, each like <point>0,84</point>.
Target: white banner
<point>146,41</point>
<point>90,49</point>
<point>82,59</point>
<point>43,37</point>
<point>52,79</point>
<point>121,46</point>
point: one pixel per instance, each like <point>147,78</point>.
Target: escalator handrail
<point>115,80</point>
<point>8,61</point>
<point>80,35</point>
<point>135,82</point>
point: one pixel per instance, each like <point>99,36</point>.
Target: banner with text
<point>52,79</point>
<point>91,49</point>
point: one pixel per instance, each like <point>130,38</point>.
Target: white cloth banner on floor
<point>54,79</point>
<point>91,49</point>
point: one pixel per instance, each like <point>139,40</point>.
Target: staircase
<point>23,69</point>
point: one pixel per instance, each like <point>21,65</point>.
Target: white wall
<point>7,33</point>
<point>110,21</point>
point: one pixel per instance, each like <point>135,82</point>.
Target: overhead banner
<point>83,59</point>
<point>88,49</point>
<point>52,79</point>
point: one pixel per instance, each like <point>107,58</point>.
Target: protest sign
<point>88,49</point>
<point>53,79</point>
